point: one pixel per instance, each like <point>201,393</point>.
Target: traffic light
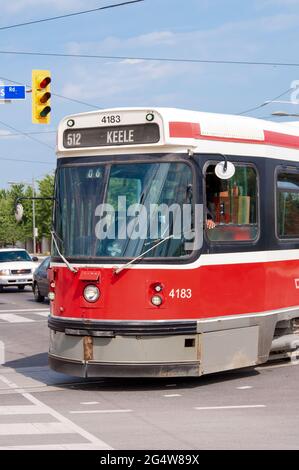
<point>41,96</point>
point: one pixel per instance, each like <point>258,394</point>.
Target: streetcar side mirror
<point>225,170</point>
<point>19,212</point>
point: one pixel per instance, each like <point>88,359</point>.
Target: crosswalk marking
<point>42,314</point>
<point>21,410</point>
<point>14,429</point>
<point>12,318</point>
<point>55,447</point>
<point>23,310</point>
<point>58,424</point>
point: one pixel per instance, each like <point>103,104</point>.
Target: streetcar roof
<point>170,114</point>
<point>189,129</point>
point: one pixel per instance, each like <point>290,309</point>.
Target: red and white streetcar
<point>123,304</point>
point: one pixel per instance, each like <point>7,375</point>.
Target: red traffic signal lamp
<point>41,96</point>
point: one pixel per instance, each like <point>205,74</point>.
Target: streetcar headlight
<point>156,300</point>
<point>91,293</point>
<point>150,117</point>
<point>51,296</point>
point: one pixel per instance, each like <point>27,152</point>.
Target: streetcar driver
<point>211,188</point>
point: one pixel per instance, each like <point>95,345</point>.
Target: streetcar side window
<point>232,205</point>
<point>288,205</point>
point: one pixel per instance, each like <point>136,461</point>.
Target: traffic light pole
<point>33,216</point>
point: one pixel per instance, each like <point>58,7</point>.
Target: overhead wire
<point>154,59</point>
<point>68,15</point>
<point>53,94</point>
<point>27,161</point>
<point>26,135</point>
<point>265,103</point>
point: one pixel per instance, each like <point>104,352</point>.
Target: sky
<point>251,30</point>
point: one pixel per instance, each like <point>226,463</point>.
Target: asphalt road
<point>41,409</point>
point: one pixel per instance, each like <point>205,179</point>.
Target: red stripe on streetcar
<point>281,140</point>
<point>185,130</point>
<point>190,130</point>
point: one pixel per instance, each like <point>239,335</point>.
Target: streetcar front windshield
<point>124,210</point>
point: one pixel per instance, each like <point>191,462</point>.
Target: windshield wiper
<point>54,237</point>
<point>119,270</point>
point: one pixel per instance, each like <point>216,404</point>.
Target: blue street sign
<point>12,92</point>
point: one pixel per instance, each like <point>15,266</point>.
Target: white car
<point>16,268</point>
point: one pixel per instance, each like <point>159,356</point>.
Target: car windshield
<point>19,255</point>
<point>44,265</point>
<point>97,205</point>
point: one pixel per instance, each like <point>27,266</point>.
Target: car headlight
<point>91,293</point>
<point>4,272</point>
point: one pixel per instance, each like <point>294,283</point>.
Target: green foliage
<point>12,231</point>
<point>44,208</point>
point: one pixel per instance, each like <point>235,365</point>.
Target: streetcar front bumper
<point>124,349</point>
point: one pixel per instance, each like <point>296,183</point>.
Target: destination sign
<point>110,136</point>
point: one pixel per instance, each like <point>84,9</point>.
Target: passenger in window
<point>212,189</point>
<point>210,224</point>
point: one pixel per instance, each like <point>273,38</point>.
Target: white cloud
<point>243,39</point>
<point>130,80</point>
<point>4,133</point>
<point>112,43</point>
<point>116,80</point>
<point>132,61</point>
<point>280,3</point>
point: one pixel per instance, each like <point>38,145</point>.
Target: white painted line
<point>171,385</point>
<point>89,403</point>
<point>2,353</point>
<point>42,314</point>
<point>277,366</point>
<point>172,395</point>
<point>21,410</point>
<point>245,387</point>
<point>25,310</point>
<point>99,411</point>
<point>14,429</point>
<point>54,447</point>
<point>228,407</point>
<point>8,382</point>
<point>4,323</point>
<point>74,428</point>
<point>12,318</point>
<point>10,370</point>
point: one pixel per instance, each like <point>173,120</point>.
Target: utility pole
<point>34,228</point>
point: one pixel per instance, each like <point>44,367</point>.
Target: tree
<point>44,208</point>
<point>12,231</point>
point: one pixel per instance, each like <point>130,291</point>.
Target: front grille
<point>20,271</point>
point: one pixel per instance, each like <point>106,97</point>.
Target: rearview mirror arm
<point>34,198</point>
